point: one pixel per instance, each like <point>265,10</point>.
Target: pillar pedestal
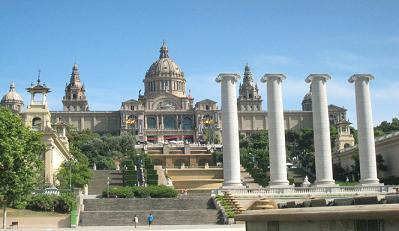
<point>367,157</point>
<point>231,149</point>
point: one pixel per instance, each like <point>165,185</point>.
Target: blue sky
<point>115,42</point>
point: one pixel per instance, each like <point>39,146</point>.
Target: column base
<point>233,186</point>
<point>279,184</point>
<point>325,183</point>
<point>370,182</point>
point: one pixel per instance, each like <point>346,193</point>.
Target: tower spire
<point>75,80</point>
<point>247,74</point>
<point>164,51</point>
<point>38,76</point>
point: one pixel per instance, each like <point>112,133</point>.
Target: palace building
<point>167,112</point>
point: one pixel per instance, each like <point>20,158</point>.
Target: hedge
<point>63,203</point>
<point>155,191</point>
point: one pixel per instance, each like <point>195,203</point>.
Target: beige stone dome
<point>164,66</point>
<point>12,95</point>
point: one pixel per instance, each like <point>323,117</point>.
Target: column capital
<point>357,77</point>
<point>323,77</point>
<point>268,77</point>
<point>233,76</point>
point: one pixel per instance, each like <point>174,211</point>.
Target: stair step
<point>192,209</point>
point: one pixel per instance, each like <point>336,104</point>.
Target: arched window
<point>169,122</point>
<point>74,96</point>
<point>207,107</point>
<point>346,145</point>
<point>187,123</point>
<point>36,123</point>
<point>151,123</point>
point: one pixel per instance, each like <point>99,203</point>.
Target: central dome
<point>164,66</point>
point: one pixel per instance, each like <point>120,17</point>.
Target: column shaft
<point>231,149</point>
<point>276,132</point>
<point>367,156</point>
<point>321,130</point>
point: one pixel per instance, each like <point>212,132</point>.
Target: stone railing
<point>309,191</point>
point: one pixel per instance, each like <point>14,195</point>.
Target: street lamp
<point>107,187</point>
<point>131,122</point>
<point>209,123</point>
<point>70,174</point>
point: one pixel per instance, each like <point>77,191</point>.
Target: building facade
<point>166,111</point>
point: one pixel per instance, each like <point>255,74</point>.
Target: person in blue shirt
<point>150,219</point>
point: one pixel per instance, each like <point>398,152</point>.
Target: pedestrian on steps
<point>150,219</point>
<point>135,221</point>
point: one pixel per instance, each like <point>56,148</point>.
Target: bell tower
<point>38,116</point>
<point>75,98</point>
<point>249,98</point>
<point>345,138</point>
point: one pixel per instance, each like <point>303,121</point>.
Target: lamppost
<point>132,122</point>
<point>209,123</point>
<point>253,159</point>
<point>107,187</point>
<point>70,174</point>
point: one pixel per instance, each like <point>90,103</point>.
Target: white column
<point>367,157</point>
<point>231,149</point>
<point>276,132</point>
<point>321,130</point>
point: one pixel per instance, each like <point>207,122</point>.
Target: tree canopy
<point>102,150</point>
<point>386,127</point>
<point>20,159</point>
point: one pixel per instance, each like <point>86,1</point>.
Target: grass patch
<point>29,213</point>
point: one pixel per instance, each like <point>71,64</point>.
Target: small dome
<point>12,95</point>
<point>164,66</point>
<point>308,96</point>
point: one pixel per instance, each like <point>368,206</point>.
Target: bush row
<point>63,203</point>
<point>156,191</point>
<point>228,208</point>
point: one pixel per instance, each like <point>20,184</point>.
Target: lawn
<point>28,213</point>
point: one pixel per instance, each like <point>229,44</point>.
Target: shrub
<point>158,191</point>
<point>141,192</point>
<point>42,202</point>
<point>162,191</point>
<point>63,203</point>
<point>120,192</point>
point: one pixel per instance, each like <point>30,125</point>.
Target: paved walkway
<point>238,227</point>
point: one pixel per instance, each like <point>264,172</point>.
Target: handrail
<point>306,191</point>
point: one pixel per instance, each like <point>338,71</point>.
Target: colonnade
<point>276,131</point>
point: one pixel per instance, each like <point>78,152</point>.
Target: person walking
<point>150,219</point>
<point>135,221</point>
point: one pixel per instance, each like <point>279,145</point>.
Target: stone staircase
<point>167,211</point>
<point>196,179</point>
<point>248,180</point>
<point>99,180</point>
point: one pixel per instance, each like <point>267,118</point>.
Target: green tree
<point>102,150</point>
<point>20,162</point>
<point>74,172</point>
<point>255,156</point>
<point>386,127</point>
